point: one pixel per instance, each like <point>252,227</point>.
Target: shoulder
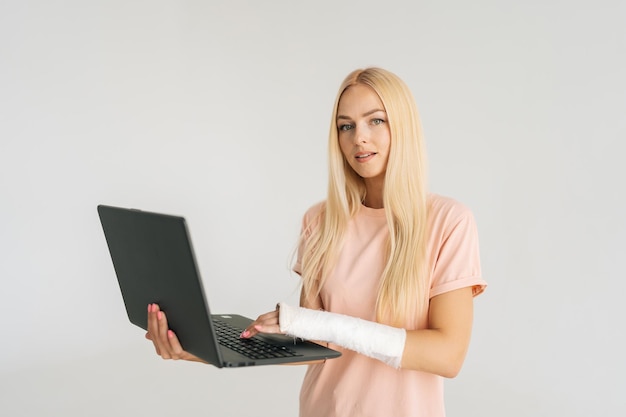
<point>446,211</point>
<point>313,214</point>
<point>315,210</point>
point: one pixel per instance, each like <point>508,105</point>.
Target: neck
<point>371,203</point>
<point>374,194</point>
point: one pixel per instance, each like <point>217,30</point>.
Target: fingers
<point>165,341</point>
<point>176,350</point>
<point>265,323</point>
<point>163,335</point>
<point>153,330</point>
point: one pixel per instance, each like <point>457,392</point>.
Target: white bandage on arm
<point>369,338</point>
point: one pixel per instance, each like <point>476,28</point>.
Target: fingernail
<point>170,334</point>
<point>245,333</point>
<point>149,307</point>
<point>159,315</point>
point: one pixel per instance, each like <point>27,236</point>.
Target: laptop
<point>154,262</point>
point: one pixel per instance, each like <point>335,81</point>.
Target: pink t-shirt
<point>355,385</point>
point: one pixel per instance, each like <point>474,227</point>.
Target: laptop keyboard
<point>253,348</point>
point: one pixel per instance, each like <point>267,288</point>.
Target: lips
<point>364,155</point>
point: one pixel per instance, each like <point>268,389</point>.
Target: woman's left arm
<point>441,348</point>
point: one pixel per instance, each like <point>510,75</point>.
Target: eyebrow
<point>340,116</point>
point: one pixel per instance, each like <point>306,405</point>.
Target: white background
<point>219,111</point>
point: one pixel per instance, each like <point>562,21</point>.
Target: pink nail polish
<point>170,334</point>
<point>244,334</point>
<point>159,315</point>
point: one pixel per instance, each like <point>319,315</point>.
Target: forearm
<point>375,340</point>
<point>433,351</point>
<point>441,348</point>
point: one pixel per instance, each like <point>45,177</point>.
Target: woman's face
<point>363,131</point>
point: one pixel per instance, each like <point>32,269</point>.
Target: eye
<point>346,126</point>
<point>377,121</point>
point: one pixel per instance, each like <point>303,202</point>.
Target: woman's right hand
<point>265,323</point>
<point>165,341</point>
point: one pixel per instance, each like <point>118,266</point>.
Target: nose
<point>361,134</point>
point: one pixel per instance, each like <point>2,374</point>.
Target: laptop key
<point>253,348</point>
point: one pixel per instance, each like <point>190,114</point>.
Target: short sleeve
<point>455,252</point>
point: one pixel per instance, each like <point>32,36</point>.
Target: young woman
<point>389,271</point>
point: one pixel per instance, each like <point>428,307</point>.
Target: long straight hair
<point>403,291</point>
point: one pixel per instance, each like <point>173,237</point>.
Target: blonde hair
<point>403,291</point>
